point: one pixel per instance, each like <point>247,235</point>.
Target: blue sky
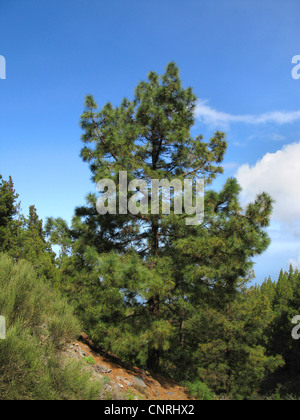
<point>236,54</point>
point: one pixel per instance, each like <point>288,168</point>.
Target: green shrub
<point>38,321</point>
<point>90,361</point>
<point>200,391</point>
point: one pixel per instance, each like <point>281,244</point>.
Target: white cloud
<point>279,175</point>
<point>210,116</point>
<point>295,263</point>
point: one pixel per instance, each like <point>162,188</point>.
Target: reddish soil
<point>127,379</point>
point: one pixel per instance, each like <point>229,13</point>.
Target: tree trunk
<point>182,335</point>
<point>153,362</point>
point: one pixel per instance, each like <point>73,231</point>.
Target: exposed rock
<point>138,381</point>
<point>102,369</point>
<point>126,382</point>
<point>108,388</point>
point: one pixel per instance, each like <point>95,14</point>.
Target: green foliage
<point>23,237</point>
<point>35,248</point>
<point>9,210</point>
<point>147,287</point>
<point>90,361</point>
<point>200,391</point>
<point>156,292</point>
<point>39,321</point>
<point>284,296</point>
<point>131,396</point>
<point>228,353</point>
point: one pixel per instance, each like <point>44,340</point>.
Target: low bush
<point>39,321</point>
<point>200,391</point>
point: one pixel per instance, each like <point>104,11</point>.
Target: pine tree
<point>22,237</point>
<point>284,296</point>
<point>9,209</point>
<point>153,269</point>
<point>149,138</point>
<point>35,248</point>
<point>231,356</point>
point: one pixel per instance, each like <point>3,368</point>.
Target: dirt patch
<point>121,379</point>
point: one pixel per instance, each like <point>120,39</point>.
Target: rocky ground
<point>122,381</point>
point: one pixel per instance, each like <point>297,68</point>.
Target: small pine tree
<point>35,248</point>
<point>9,210</point>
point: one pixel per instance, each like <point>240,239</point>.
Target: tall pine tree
<point>138,279</point>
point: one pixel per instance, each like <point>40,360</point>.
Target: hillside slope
<point>122,381</point>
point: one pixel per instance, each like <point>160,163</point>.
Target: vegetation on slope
<point>38,322</point>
